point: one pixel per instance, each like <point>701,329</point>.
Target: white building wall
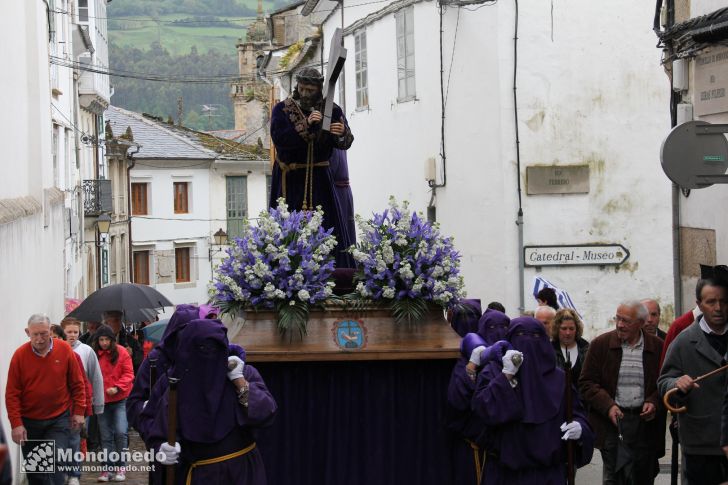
<point>257,199</point>
<point>31,247</point>
<point>703,208</point>
<point>586,96</point>
<point>162,230</point>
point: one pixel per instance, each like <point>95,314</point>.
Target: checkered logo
<point>39,456</point>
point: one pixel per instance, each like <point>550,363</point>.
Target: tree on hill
<point>161,98</point>
<point>129,8</point>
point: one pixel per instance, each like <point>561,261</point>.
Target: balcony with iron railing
<point>96,197</point>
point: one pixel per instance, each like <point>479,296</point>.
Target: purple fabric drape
<point>357,423</point>
<point>344,200</point>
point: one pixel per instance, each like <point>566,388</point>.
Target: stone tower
<point>250,95</point>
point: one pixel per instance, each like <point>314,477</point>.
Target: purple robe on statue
<point>339,170</point>
<point>211,423</point>
<point>523,422</point>
<point>467,450</point>
<point>292,137</point>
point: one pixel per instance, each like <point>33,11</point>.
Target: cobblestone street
<point>132,477</point>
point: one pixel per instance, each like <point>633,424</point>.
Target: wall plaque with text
<point>571,179</point>
<point>577,255</point>
<point>711,82</point>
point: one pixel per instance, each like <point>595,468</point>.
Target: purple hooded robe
<point>210,422</point>
<point>469,428</point>
<point>465,318</point>
<point>163,353</point>
<point>523,422</point>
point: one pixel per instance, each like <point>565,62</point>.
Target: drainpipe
<point>676,249</point>
<point>519,216</point>
<point>130,157</point>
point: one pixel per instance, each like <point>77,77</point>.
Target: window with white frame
<point>83,10</point>
<point>237,204</point>
<point>182,264</point>
<point>141,267</point>
<point>360,69</point>
<point>405,53</point>
<point>54,151</point>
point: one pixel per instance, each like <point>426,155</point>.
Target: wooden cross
<point>337,57</point>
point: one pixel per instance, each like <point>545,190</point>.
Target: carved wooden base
<point>343,334</point>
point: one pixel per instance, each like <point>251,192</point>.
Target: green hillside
<point>177,25</point>
<point>172,38</point>
<point>178,39</point>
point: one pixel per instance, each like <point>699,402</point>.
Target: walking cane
<point>152,374</point>
<point>682,409</point>
<point>570,472</point>
<point>674,457</point>
<point>172,424</point>
<point>152,381</point>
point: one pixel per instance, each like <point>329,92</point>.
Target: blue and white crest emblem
<point>350,334</point>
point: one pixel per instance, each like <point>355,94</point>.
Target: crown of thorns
<point>309,76</point>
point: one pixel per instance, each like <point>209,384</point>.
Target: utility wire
<point>76,128</point>
<point>159,21</point>
<point>151,19</point>
<point>452,57</point>
<point>225,78</point>
<point>228,78</point>
<point>186,219</point>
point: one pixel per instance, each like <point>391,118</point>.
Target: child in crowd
<point>116,367</point>
<point>95,390</point>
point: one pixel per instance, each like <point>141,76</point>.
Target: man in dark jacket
<point>699,349</point>
<point>619,383</point>
<point>124,338</point>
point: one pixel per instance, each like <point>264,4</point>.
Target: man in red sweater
<point>44,383</point>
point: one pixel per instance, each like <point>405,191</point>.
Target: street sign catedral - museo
<point>575,255</point>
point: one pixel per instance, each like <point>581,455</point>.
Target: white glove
<point>475,355</point>
<point>235,367</point>
<point>572,430</point>
<point>509,367</point>
<point>171,453</point>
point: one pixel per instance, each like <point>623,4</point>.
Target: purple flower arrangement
<point>403,259</point>
<point>283,264</point>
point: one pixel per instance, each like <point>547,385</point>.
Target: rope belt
<point>218,459</point>
<point>308,181</point>
<point>476,458</point>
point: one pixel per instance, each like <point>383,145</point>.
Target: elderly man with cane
<point>699,350</point>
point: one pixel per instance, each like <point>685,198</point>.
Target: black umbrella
<point>136,302</point>
<point>624,454</point>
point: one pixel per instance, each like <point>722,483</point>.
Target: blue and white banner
<point>539,283</point>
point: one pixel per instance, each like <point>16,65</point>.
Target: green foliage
<point>159,38</point>
<point>129,8</point>
<point>290,54</point>
<point>409,310</point>
<point>292,317</point>
<point>160,98</point>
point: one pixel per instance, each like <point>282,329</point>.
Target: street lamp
<point>220,237</point>
<point>220,240</point>
<point>103,223</point>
